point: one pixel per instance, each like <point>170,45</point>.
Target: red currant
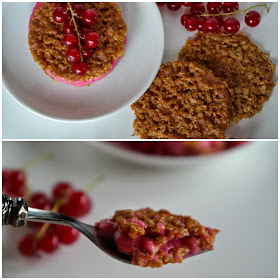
<point>187,4</point>
<point>89,17</point>
<point>174,6</point>
<point>201,21</point>
<point>13,182</point>
<point>60,15</point>
<point>197,9</point>
<point>39,200</point>
<point>48,243</point>
<point>28,245</point>
<point>252,18</point>
<point>73,55</point>
<point>214,7</point>
<point>78,205</point>
<point>66,235</point>
<point>160,4</point>
<point>231,25</point>
<point>70,40</point>
<point>68,28</point>
<point>60,4</point>
<point>78,8</point>
<point>220,19</point>
<point>191,24</point>
<point>92,39</point>
<point>229,7</point>
<point>184,18</point>
<point>211,25</point>
<point>84,30</point>
<point>62,189</point>
<point>87,52</point>
<point>79,68</point>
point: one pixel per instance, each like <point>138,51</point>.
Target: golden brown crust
<point>185,101</point>
<point>237,61</point>
<point>47,49</point>
<point>162,226</point>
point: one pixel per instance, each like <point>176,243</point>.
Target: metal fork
<point>15,212</point>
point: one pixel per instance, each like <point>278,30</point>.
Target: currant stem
<point>88,187</point>
<point>76,29</point>
<point>46,226</point>
<point>235,12</point>
<point>35,160</point>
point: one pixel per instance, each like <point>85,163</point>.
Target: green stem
<point>235,12</point>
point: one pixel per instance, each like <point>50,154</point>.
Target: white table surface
<point>236,194</point>
<point>19,123</point>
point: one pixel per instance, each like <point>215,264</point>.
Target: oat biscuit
<point>155,238</point>
<point>185,101</point>
<point>235,59</point>
<point>45,42</point>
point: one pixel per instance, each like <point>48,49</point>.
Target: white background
<point>236,193</point>
<point>19,123</point>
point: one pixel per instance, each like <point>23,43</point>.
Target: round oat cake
<point>47,49</point>
<point>185,101</point>
<point>236,60</point>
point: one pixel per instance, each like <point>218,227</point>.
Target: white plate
<point>29,84</point>
<point>147,160</point>
<point>236,194</point>
<point>19,123</point>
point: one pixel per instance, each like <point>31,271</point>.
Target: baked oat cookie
<point>185,101</point>
<point>235,59</point>
<point>45,43</point>
<point>155,238</point>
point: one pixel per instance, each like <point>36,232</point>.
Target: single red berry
<point>79,68</point>
<point>201,21</point>
<point>89,17</point>
<point>211,25</point>
<point>78,9</point>
<point>39,200</point>
<point>70,40</point>
<point>66,235</point>
<point>68,27</point>
<point>160,4</point>
<point>78,205</point>
<point>231,25</point>
<point>191,24</point>
<point>73,55</point>
<point>14,182</point>
<point>28,245</point>
<point>60,4</point>
<point>187,4</point>
<point>87,52</point>
<point>85,29</point>
<point>174,6</point>
<point>48,243</point>
<point>197,9</point>
<point>252,18</point>
<point>214,7</point>
<point>62,189</point>
<point>220,19</point>
<point>92,39</point>
<point>184,18</point>
<point>60,15</point>
<point>229,7</point>
<point>17,177</point>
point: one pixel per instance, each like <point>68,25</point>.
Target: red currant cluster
<point>216,18</point>
<point>64,199</point>
<point>78,34</point>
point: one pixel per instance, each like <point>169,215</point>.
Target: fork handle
<point>14,211</point>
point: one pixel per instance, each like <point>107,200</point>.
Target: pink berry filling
<point>161,247</point>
